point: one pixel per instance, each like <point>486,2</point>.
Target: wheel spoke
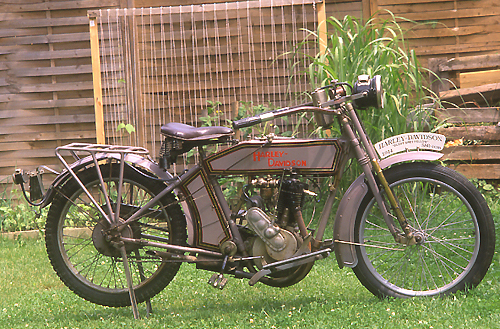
<point>443,218</point>
<point>88,257</point>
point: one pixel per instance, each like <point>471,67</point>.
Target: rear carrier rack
<point>38,195</point>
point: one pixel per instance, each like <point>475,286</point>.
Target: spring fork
<point>392,200</point>
<point>368,147</point>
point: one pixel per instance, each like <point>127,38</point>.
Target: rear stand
<point>130,285</point>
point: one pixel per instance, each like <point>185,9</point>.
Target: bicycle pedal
<point>217,281</point>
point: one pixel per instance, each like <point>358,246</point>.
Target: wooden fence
<point>45,69</point>
<point>46,94</point>
<point>469,88</point>
<point>171,63</point>
<point>446,28</point>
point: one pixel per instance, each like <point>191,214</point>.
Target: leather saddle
<point>193,134</point>
<point>180,138</point>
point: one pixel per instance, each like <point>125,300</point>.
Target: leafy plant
<point>213,116</point>
<point>375,48</point>
<point>128,127</point>
<point>19,216</point>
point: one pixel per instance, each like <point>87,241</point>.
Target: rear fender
<point>343,229</point>
<point>133,160</point>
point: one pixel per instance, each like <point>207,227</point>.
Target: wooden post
<point>96,77</point>
<point>322,28</point>
<point>370,8</point>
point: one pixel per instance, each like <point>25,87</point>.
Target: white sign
<point>410,141</point>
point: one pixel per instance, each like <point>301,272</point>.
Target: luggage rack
<point>110,216</point>
<point>101,148</point>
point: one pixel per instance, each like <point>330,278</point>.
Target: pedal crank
<point>217,281</point>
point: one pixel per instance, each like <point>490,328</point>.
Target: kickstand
<point>130,284</point>
<point>149,308</point>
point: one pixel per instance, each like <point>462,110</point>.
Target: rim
<point>444,218</point>
<point>104,270</point>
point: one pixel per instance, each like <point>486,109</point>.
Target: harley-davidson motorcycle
<point>120,224</point>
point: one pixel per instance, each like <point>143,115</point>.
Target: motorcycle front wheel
<point>91,265</point>
<point>450,217</point>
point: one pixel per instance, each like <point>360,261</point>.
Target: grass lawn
<point>31,296</point>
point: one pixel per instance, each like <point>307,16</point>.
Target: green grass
<point>31,296</point>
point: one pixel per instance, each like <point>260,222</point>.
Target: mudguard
<point>345,218</point>
<point>134,160</point>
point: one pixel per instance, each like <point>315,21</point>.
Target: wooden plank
<point>401,2</point>
<point>8,33</point>
<point>51,103</point>
<point>480,171</point>
<point>402,10</point>
<point>46,71</point>
<point>441,32</point>
<point>472,153</point>
<point>55,87</point>
<point>22,113</point>
<point>477,4</point>
<point>478,78</point>
<point>44,22</point>
<point>49,128</point>
<point>469,115</point>
<point>471,63</point>
<point>20,6</point>
<point>424,50</point>
<point>96,80</point>
<point>47,120</point>
<point>48,136</point>
<point>54,54</point>
<point>212,7</point>
<point>448,14</point>
<point>38,153</point>
<point>479,94</point>
<point>44,39</point>
<point>486,133</point>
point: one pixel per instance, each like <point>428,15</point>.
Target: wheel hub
<point>106,241</point>
<point>419,237</point>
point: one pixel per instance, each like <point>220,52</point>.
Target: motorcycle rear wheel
<point>451,217</point>
<point>91,266</point>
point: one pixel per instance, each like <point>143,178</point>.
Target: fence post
<point>370,7</point>
<point>96,77</point>
<point>322,28</point>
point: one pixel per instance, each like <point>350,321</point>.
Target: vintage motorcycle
<point>120,224</point>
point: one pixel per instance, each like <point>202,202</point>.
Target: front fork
<point>368,159</point>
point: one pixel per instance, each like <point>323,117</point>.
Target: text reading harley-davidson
<point>275,159</point>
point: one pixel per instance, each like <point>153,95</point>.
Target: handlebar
<point>266,116</point>
<point>307,107</point>
<point>246,122</point>
<point>365,93</point>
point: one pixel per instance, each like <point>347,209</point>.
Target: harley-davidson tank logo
<point>275,159</point>
<point>260,156</point>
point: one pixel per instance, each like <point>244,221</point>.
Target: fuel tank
<point>304,156</point>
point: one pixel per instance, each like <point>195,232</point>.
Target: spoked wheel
<point>83,251</point>
<point>454,226</point>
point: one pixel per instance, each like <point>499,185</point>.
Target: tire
<point>449,213</point>
<point>92,267</point>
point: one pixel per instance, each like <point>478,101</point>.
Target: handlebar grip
<point>247,122</point>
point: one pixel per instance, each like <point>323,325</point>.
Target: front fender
<point>343,229</point>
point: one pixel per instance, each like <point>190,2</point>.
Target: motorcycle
<point>120,224</point>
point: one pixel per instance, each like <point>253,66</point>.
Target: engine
<point>275,216</point>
